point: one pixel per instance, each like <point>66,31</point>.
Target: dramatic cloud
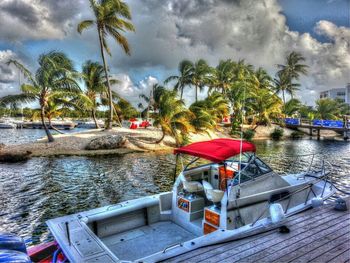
<point>37,19</point>
<point>132,91</point>
<point>7,74</point>
<point>168,31</point>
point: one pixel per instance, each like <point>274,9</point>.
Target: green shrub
<point>296,135</point>
<point>248,134</point>
<point>277,134</point>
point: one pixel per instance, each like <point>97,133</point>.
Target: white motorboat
<point>7,124</point>
<point>232,196</point>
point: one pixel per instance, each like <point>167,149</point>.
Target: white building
<point>341,93</point>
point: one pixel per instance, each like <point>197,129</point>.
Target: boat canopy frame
<point>216,150</point>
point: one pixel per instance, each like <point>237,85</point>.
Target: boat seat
<point>191,186</point>
<point>213,195</point>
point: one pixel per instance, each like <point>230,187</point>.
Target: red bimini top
<point>217,150</point>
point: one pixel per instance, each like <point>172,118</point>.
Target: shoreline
<point>138,141</point>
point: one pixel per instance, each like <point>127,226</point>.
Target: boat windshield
<point>252,168</point>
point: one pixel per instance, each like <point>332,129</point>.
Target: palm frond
<point>27,74</point>
<point>84,25</point>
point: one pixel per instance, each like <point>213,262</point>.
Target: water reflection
<point>44,188</point>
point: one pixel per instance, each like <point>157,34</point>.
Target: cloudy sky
<point>260,31</point>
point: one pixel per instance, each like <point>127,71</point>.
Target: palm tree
<point>93,75</point>
<point>153,99</point>
<point>289,72</point>
<point>112,17</point>
<point>223,76</point>
<point>184,78</point>
<point>201,75</point>
<point>264,81</point>
<point>327,109</point>
<point>208,112</point>
<point>292,107</point>
<point>293,69</point>
<point>217,106</point>
<point>173,118</point>
<point>124,109</point>
<point>282,84</point>
<point>202,120</point>
<point>54,78</point>
<point>266,106</point>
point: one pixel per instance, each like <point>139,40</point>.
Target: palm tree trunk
<point>196,93</point>
<point>93,114</point>
<point>161,139</point>
<point>284,103</point>
<point>110,117</point>
<point>42,115</point>
<point>284,99</point>
<point>182,93</point>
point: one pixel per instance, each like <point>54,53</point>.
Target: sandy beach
<point>139,140</point>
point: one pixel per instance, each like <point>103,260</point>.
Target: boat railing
<point>304,163</point>
<point>324,177</point>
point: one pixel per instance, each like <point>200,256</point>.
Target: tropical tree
<point>282,84</point>
<point>93,75</point>
<point>327,109</point>
<point>293,67</point>
<point>153,99</point>
<point>112,18</point>
<point>55,77</point>
<point>185,77</point>
<point>344,108</point>
<point>173,117</point>
<point>223,76</point>
<point>124,109</point>
<point>266,107</point>
<point>201,75</point>
<point>292,107</point>
<point>202,120</point>
<point>307,112</point>
<point>263,79</point>
<point>208,112</point>
<point>288,73</point>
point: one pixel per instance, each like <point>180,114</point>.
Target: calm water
<point>18,136</point>
<point>44,188</point>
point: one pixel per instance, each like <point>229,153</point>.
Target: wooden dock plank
<point>273,244</point>
<point>317,235</point>
<point>343,257</point>
<point>328,251</point>
<point>308,244</point>
<point>211,251</point>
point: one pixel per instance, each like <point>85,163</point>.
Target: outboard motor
<point>13,249</point>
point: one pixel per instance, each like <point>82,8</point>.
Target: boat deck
<point>130,245</point>
<point>316,235</point>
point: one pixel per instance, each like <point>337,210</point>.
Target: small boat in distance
<point>6,123</point>
<point>233,195</point>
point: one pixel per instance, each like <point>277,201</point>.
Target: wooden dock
<point>316,235</point>
<point>345,131</point>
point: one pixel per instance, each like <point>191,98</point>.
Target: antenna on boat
<point>241,144</point>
